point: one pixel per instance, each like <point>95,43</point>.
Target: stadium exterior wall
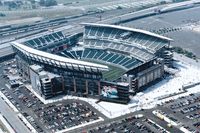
<point>150,73</point>
<point>75,82</point>
<point>87,83</point>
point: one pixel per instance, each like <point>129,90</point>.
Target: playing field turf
<point>113,73</point>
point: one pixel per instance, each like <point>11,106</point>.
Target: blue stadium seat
<point>47,39</point>
<point>118,35</point>
<point>127,62</point>
<point>107,32</point>
<point>99,32</point>
<point>51,37</point>
<point>31,42</point>
<point>55,36</point>
<point>73,53</point>
<point>87,30</point>
<point>99,52</point>
<point>113,33</point>
<point>123,61</point>
<point>60,34</point>
<point>108,56</point>
<point>113,58</point>
<point>133,63</point>
<point>79,53</point>
<point>37,41</point>
<point>68,54</point>
<point>93,31</point>
<point>103,55</point>
<point>85,53</point>
<point>42,40</point>
<point>91,54</point>
<point>119,59</point>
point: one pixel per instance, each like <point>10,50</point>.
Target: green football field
<point>113,73</point>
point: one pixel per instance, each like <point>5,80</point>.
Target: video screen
<point>109,92</point>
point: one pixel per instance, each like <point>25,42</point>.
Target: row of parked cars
<point>10,98</point>
<point>130,124</point>
<point>32,122</point>
<point>194,116</point>
<point>190,130</point>
<point>54,117</point>
<point>156,126</point>
<point>167,30</point>
<point>190,108</point>
<point>61,116</point>
<point>26,97</point>
<point>187,101</point>
<point>19,99</point>
<point>197,125</point>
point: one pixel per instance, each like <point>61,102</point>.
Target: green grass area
<point>113,73</point>
<point>184,52</point>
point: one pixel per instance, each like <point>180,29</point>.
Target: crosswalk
<point>134,4</point>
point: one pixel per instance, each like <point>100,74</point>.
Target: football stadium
<point>109,62</point>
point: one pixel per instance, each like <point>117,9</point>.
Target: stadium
<point>109,62</point>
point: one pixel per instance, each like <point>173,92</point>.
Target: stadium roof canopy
<point>56,60</point>
<point>128,29</point>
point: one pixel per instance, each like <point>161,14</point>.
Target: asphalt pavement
<point>12,118</point>
<point>9,114</point>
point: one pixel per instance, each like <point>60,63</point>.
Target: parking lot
<point>180,113</point>
<point>48,117</point>
<point>174,25</point>
<point>24,101</point>
<point>66,115</point>
<point>139,122</point>
<point>71,113</point>
<point>130,124</point>
<point>184,111</point>
<point>52,117</point>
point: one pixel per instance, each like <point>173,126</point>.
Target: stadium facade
<point>110,62</point>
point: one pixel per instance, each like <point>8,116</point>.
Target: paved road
<point>11,116</point>
<point>147,113</point>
